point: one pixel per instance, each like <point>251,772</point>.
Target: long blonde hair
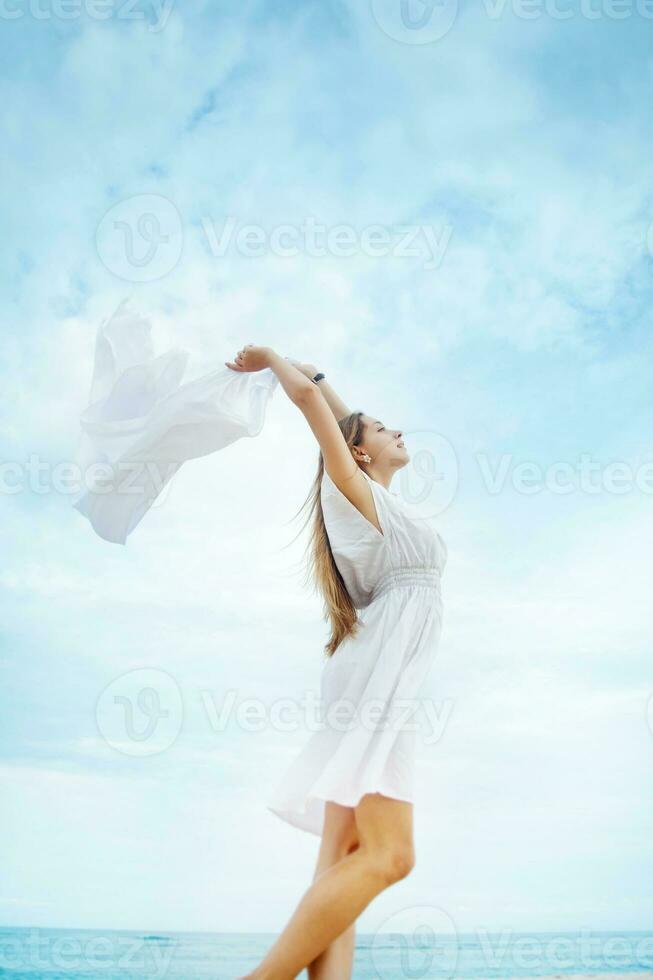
<point>321,570</point>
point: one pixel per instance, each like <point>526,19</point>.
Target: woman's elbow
<point>304,394</point>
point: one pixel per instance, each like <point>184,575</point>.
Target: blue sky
<point>523,144</point>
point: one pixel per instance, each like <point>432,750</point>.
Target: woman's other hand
<point>250,358</point>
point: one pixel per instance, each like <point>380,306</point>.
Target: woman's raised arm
<point>332,398</point>
<point>338,459</point>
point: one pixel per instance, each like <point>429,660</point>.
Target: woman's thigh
<point>339,835</point>
<point>384,824</point>
<point>377,821</point>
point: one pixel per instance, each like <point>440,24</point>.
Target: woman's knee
<point>394,862</point>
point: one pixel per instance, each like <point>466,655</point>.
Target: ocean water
<point>58,954</point>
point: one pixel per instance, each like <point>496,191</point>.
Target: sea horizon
<point>40,953</point>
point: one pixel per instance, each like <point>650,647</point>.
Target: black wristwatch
<point>318,377</point>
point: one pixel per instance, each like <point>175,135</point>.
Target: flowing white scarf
<point>141,423</point>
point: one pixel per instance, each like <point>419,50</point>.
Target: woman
<point>353,782</point>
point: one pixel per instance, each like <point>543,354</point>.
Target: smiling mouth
<point>400,445</point>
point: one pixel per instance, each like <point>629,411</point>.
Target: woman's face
<point>384,445</point>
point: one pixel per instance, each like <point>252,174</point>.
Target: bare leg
<point>339,838</point>
<point>339,894</point>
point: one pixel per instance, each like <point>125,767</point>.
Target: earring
<point>366,458</point>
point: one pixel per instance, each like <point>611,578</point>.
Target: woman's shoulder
<point>339,508</point>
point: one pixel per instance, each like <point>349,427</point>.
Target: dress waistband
<point>406,577</point>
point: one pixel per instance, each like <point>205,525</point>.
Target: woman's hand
<point>250,358</point>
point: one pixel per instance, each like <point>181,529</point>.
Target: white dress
<point>367,744</point>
